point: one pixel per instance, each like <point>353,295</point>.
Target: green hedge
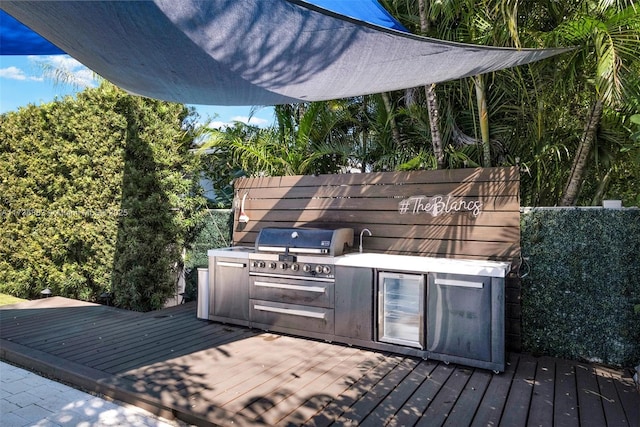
<point>61,171</point>
<point>215,233</point>
<point>98,193</point>
<point>581,298</point>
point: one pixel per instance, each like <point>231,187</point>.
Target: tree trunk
<point>576,177</point>
<point>365,132</point>
<point>602,188</point>
<point>434,124</point>
<point>432,99</point>
<point>395,133</point>
<point>483,117</point>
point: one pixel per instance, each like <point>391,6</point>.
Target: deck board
<point>516,408</point>
<point>272,406</point>
<point>465,408</point>
<point>490,411</point>
<point>327,385</point>
<point>613,410</point>
<point>541,409</point>
<point>591,409</point>
<point>438,411</point>
<point>628,395</point>
<point>565,401</point>
<point>400,394</point>
<point>208,373</point>
<point>375,396</point>
<point>340,408</point>
<point>414,407</point>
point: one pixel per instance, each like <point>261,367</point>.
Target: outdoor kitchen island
<point>434,308</point>
<point>421,263</point>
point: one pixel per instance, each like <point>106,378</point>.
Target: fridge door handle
<point>459,283</point>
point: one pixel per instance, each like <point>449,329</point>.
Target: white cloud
<point>61,69</point>
<point>64,69</point>
<point>254,121</point>
<point>15,73</point>
<point>218,125</point>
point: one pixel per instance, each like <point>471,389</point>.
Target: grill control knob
<point>261,264</point>
<point>272,265</point>
<point>318,269</point>
<point>255,264</point>
<point>306,268</point>
<point>284,265</point>
<point>295,267</point>
<point>326,269</point>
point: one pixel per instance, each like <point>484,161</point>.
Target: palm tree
<point>305,139</point>
<point>468,22</point>
<point>607,36</point>
<point>432,97</point>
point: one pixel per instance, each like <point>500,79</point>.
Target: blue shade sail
<point>18,39</point>
<point>364,10</point>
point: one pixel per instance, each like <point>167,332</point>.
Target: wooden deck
<point>207,373</point>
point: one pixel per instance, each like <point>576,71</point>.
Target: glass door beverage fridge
<point>401,309</point>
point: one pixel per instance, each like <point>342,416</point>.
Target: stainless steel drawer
<point>292,291</point>
<point>275,315</point>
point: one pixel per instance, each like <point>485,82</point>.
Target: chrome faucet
<point>361,233</point>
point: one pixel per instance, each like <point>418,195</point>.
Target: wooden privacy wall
<point>461,213</point>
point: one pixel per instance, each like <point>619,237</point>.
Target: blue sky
<point>24,80</point>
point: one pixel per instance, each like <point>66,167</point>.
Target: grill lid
<point>304,240</point>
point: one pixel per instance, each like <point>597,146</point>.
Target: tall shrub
<point>73,176</point>
<point>158,187</point>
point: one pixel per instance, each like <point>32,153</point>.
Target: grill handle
<point>291,311</point>
<point>316,289</point>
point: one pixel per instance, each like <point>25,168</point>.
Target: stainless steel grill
<point>298,252</point>
<point>292,278</point>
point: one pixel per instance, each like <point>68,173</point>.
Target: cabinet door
<point>460,316</point>
<point>354,303</point>
<point>231,289</point>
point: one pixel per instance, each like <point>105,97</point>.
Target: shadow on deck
<point>175,365</point>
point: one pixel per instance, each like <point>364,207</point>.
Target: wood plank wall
<point>373,200</point>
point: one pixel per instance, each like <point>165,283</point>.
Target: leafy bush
<point>579,300</point>
<point>96,194</point>
<point>215,232</point>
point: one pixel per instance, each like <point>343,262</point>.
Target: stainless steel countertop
<point>232,252</point>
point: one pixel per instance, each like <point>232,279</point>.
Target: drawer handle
<point>317,289</point>
<point>290,311</point>
<point>460,283</point>
<point>231,264</point>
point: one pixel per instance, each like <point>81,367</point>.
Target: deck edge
<point>80,376</point>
